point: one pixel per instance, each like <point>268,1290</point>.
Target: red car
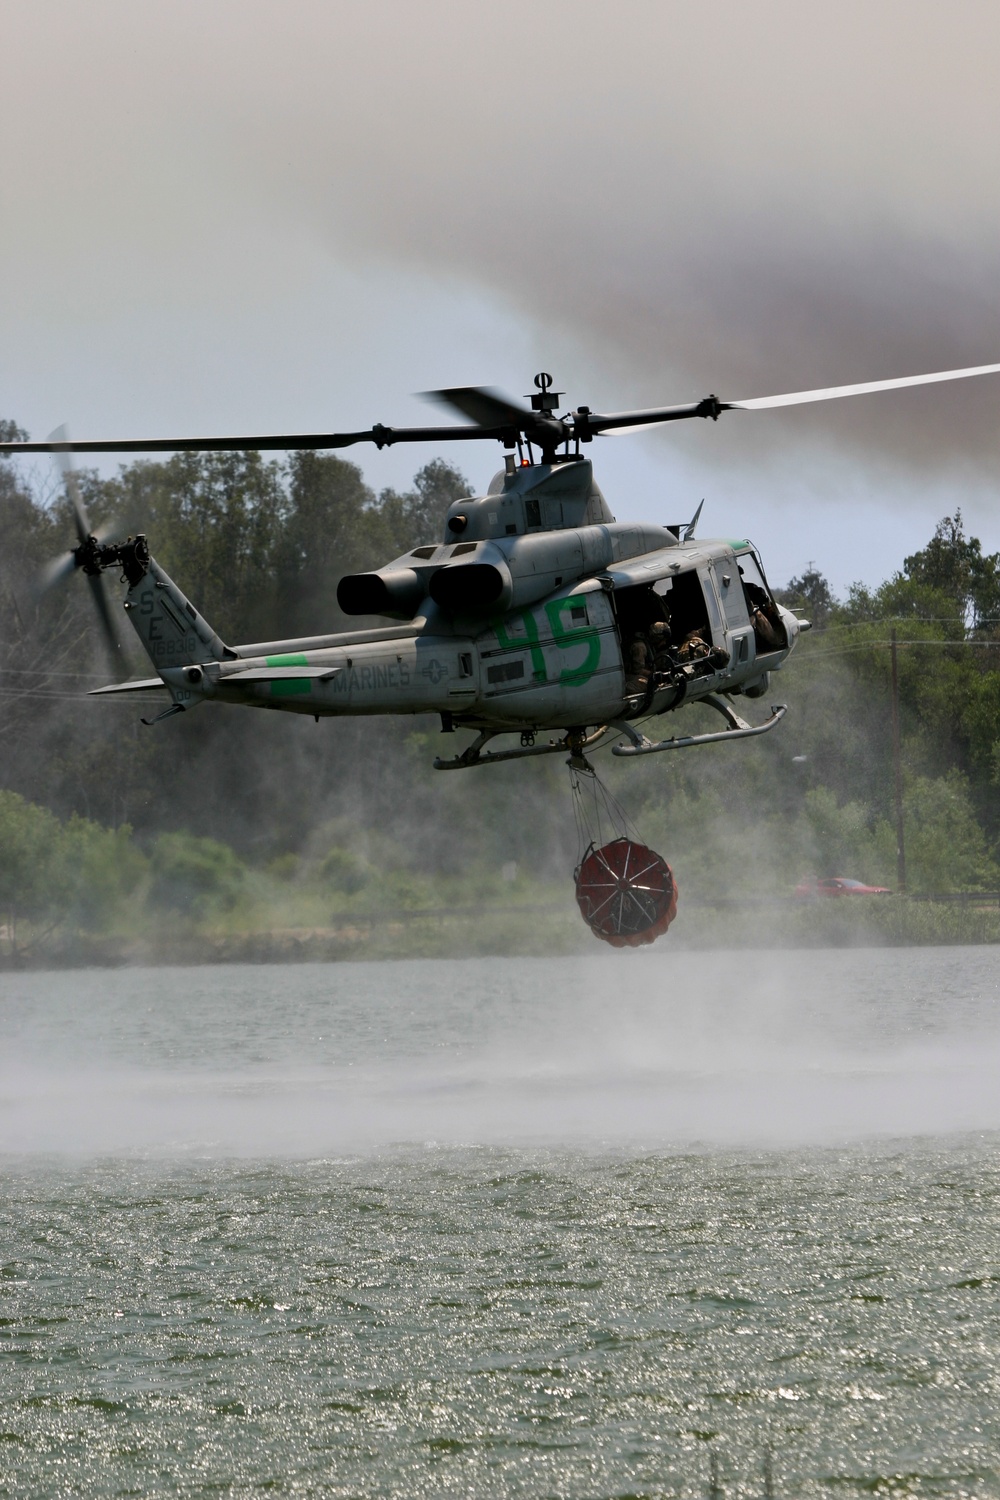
<point>839,885</point>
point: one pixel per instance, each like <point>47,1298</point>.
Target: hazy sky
<point>241,216</point>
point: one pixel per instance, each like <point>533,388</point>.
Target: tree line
<point>259,545</point>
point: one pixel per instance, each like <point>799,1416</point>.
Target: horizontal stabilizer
<point>129,687</point>
<point>231,679</point>
<point>278,674</point>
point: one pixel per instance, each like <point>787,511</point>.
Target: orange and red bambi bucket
<point>626,893</point>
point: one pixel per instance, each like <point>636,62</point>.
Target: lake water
<point>532,1228</point>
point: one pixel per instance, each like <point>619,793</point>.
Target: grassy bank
<point>544,928</point>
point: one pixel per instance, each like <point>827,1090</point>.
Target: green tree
<point>809,595</point>
<point>946,847</point>
<point>59,875</point>
<point>195,876</point>
<point>954,565</point>
<point>215,522</point>
<point>417,515</point>
<point>332,527</point>
<point>101,869</point>
<point>30,867</point>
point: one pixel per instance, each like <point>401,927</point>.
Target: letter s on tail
<point>168,625</point>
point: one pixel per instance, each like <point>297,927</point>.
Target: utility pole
<point>897,774</point>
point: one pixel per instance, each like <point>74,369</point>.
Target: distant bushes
<point>194,875</point>
<point>72,872</point>
<point>345,871</point>
<point>60,879</point>
<point>78,875</point>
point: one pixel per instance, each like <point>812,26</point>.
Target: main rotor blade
<point>497,418</point>
<point>615,424</point>
<point>483,406</point>
<point>835,392</point>
<point>282,442</point>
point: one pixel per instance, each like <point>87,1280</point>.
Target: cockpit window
<point>768,628</point>
<point>750,571</point>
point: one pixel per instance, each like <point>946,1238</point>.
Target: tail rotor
<point>85,555</point>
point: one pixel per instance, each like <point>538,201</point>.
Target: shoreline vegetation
<point>227,836</point>
<point>546,928</point>
<point>76,894</point>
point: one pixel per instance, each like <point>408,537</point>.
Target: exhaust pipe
<point>397,593</point>
<point>472,588</point>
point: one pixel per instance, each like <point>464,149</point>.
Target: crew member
<point>641,667</point>
<point>767,628</point>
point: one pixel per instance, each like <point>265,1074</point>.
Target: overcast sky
<point>241,216</point>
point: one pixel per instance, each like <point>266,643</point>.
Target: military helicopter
<point>537,613</point>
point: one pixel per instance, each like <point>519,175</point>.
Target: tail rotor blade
<point>54,572</point>
<point>64,458</point>
<point>110,528</point>
<point>63,566</point>
<point>100,599</point>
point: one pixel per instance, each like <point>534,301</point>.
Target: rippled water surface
<point>503,1228</point>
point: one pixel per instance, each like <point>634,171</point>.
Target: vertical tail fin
<point>172,631</point>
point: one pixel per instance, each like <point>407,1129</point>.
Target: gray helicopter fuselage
<point>537,609</point>
<point>521,623</point>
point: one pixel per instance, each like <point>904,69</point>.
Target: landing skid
<point>738,729</point>
<point>573,744</point>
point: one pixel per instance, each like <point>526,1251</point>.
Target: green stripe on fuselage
<point>288,687</point>
<point>296,659</point>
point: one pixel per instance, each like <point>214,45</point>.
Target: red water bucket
<point>626,893</point>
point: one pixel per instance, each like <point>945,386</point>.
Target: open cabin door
<point>670,631</point>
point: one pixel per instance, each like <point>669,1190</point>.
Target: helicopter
<point>536,614</point>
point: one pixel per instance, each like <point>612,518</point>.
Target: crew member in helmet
<point>767,627</point>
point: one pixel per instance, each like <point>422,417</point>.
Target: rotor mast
<point>547,430</point>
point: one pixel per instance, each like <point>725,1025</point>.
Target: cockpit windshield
<point>750,572</point>
<point>769,631</point>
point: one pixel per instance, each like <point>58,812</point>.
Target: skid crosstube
<point>738,729</point>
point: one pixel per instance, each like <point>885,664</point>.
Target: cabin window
<point>465,664</point>
<point>423,552</point>
<point>532,513</point>
<point>506,671</point>
<point>462,548</point>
